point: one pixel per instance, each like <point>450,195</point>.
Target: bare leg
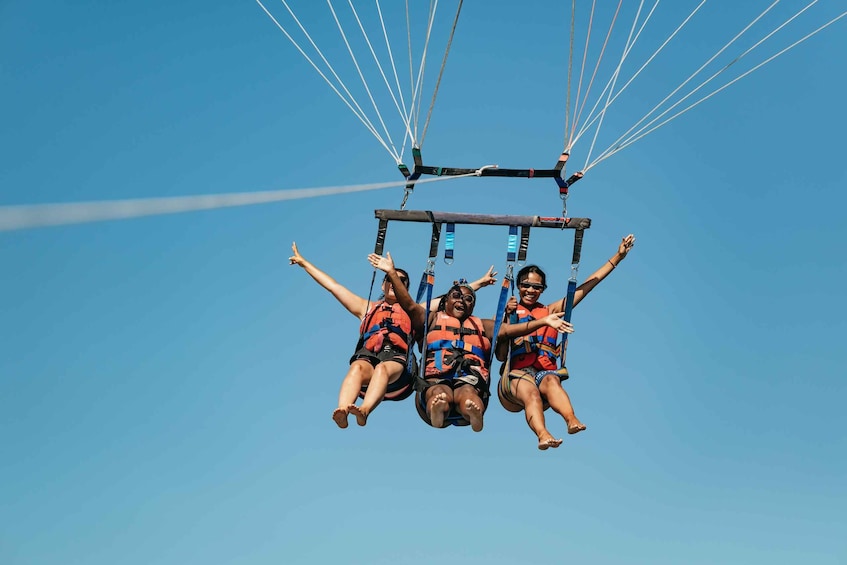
<point>470,405</point>
<point>360,373</point>
<point>384,373</point>
<point>551,388</point>
<point>438,399</point>
<point>530,397</point>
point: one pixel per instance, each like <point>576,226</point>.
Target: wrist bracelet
<point>612,264</point>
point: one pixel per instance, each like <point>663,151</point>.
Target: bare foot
<point>438,409</point>
<point>575,427</point>
<point>340,417</point>
<point>546,440</point>
<point>474,415</point>
<point>361,415</point>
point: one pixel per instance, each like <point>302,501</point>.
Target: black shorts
<point>404,386</point>
<point>389,352</point>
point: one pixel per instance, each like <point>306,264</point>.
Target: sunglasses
<point>403,280</point>
<point>459,295</point>
<point>527,285</point>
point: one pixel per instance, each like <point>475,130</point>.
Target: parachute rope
<point>646,63</point>
<point>622,143</point>
<point>440,73</point>
<point>569,142</point>
<point>394,151</point>
<point>570,73</point>
<point>411,63</point>
<point>581,105</point>
<point>357,111</point>
<point>418,89</point>
<point>621,139</point>
<point>406,115</point>
<point>401,110</point>
<point>610,86</point>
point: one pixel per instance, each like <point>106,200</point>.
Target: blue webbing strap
<point>449,242</point>
<point>511,254</point>
<point>430,282</point>
<point>433,253</point>
<point>427,282</point>
<point>577,252</point>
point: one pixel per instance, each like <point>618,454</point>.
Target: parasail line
<point>395,153</point>
<point>360,114</point>
<point>367,39</point>
<point>727,85</point>
<point>610,86</point>
<point>623,138</point>
<point>440,73</point>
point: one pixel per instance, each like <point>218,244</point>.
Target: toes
<point>576,428</point>
<point>475,415</point>
<point>339,416</point>
<point>361,416</point>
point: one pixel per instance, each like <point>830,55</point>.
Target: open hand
<point>556,322</point>
<point>626,245</point>
<point>385,263</point>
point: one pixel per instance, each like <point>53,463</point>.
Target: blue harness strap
<point>569,299</point>
<point>449,243</point>
<point>425,288</point>
<point>508,282</point>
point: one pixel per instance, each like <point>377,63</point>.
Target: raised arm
<point>356,305</point>
<point>582,290</point>
<point>416,311</point>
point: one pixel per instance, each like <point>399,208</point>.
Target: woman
<point>377,368</point>
<point>530,379</point>
<point>458,346</point>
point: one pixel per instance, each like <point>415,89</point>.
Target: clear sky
<point>166,383</point>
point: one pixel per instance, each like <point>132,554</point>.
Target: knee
<point>384,371</point>
<point>532,397</point>
<point>549,382</point>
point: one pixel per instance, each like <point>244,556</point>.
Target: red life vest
<point>453,346</point>
<point>538,349</point>
<point>385,320</point>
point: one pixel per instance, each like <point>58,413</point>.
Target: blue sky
<point>166,383</point>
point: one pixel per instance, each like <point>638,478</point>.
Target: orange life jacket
<point>453,346</point>
<point>538,349</point>
<point>383,321</point>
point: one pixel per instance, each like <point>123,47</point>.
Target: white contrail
<point>42,215</point>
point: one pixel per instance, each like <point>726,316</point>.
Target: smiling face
<point>531,283</point>
<point>459,302</point>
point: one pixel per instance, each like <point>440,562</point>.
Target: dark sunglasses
<point>459,295</point>
<point>403,280</point>
<point>526,285</point>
